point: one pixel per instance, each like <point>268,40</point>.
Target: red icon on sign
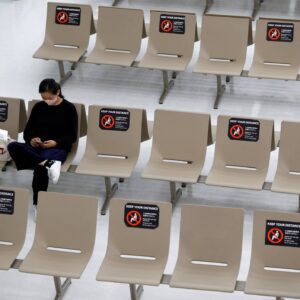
<point>107,121</point>
<point>62,17</point>
<point>274,34</point>
<point>236,132</point>
<point>166,26</point>
<point>133,218</point>
<point>275,236</point>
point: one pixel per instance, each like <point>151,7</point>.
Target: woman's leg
<point>40,181</point>
<point>55,154</point>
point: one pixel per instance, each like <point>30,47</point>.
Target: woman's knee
<point>11,147</point>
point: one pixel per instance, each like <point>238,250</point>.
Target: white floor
<point>22,26</point>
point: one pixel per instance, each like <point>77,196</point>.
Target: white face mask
<point>50,102</point>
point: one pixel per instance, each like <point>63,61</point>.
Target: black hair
<point>50,85</point>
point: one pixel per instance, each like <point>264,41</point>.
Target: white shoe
<point>53,167</point>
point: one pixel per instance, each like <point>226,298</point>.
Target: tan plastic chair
<point>224,41</point>
<point>169,51</point>
<point>136,255</point>
<point>179,147</point>
<point>119,35</point>
<point>64,237</point>
<point>241,164</point>
<point>111,153</point>
<point>13,227</point>
<point>274,270</point>
<point>287,179</point>
<point>66,42</point>
<point>210,248</point>
<point>82,125</point>
<point>275,59</point>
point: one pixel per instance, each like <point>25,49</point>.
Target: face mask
<point>50,102</point>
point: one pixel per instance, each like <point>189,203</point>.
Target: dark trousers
<point>27,157</point>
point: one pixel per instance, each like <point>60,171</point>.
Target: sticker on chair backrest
<point>7,202</point>
<point>3,111</point>
<point>282,233</point>
<point>66,15</point>
<point>243,130</point>
<point>280,32</point>
<point>141,215</point>
<point>172,24</point>
<point>114,119</point>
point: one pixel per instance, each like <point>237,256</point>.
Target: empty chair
<point>275,259</point>
<point>287,177</point>
<point>119,35</point>
<point>242,152</point>
<point>113,144</point>
<point>64,237</point>
<point>82,130</point>
<point>68,30</point>
<point>138,243</point>
<point>224,41</point>
<point>276,49</point>
<point>210,248</point>
<point>179,147</point>
<point>13,223</point>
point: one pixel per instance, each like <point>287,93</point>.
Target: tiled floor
<point>22,26</point>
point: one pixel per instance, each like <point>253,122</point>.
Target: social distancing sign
<point>3,111</point>
<point>114,119</point>
<point>282,233</point>
<point>7,202</point>
<point>243,130</point>
<point>144,216</point>
<point>280,32</point>
<point>65,15</point>
<point>172,24</point>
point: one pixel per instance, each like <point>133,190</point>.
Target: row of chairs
<point>210,245</point>
<point>180,141</point>
<point>223,49</point>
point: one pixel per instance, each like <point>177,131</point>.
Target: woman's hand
<point>36,142</point>
<point>49,144</point>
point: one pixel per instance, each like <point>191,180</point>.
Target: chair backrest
<point>289,148</point>
<point>275,241</point>
<point>172,33</point>
<point>69,24</point>
<point>182,136</point>
<point>211,235</point>
<point>115,131</point>
<point>13,216</point>
<point>66,221</point>
<point>139,228</point>
<point>244,142</point>
<point>225,37</point>
<point>277,41</point>
<point>13,116</point>
<point>120,29</point>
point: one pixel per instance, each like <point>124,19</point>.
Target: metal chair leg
<point>167,86</point>
<point>135,293</point>
<point>208,5</point>
<point>61,289</point>
<point>110,191</point>
<point>175,194</point>
<point>256,7</point>
<point>220,91</point>
<point>63,75</point>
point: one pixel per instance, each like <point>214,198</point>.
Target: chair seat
<point>236,178</point>
<point>200,277</point>
<point>135,271</point>
<point>286,183</point>
<point>48,51</point>
<point>270,283</point>
<point>176,172</point>
<point>261,70</point>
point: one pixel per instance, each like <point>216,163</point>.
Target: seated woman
<point>49,134</point>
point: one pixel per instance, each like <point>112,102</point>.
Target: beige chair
<point>210,248</point>
<point>68,30</point>
<point>275,59</point>
<point>287,179</point>
<point>82,126</point>
<point>242,161</point>
<point>274,269</point>
<point>119,35</point>
<point>171,50</point>
<point>13,223</point>
<point>64,237</point>
<point>179,147</point>
<point>136,255</point>
<point>113,151</point>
